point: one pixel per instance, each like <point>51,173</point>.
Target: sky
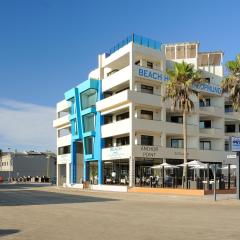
<point>49,46</point>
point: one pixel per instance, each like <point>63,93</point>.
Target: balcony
<point>213,155</point>
<point>116,78</point>
<point>60,122</point>
<point>118,152</point>
<point>116,128</point>
<point>232,115</point>
<point>177,128</point>
<point>146,99</point>
<point>148,125</point>
<point>64,141</point>
<point>212,111</point>
<point>113,101</point>
<point>211,132</point>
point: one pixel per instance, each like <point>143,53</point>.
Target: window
<point>137,63</point>
<point>122,90</point>
<point>227,147</point>
<point>177,119</point>
<point>88,145</point>
<point>180,52</point>
<point>146,89</point>
<point>80,147</point>
<point>149,64</point>
<point>228,108</point>
<point>170,52</point>
<point>107,94</point>
<point>205,124</point>
<point>89,122</point>
<point>108,142</point>
<point>207,80</point>
<point>107,119</point>
<point>123,141</point>
<point>88,98</point>
<point>205,145</point>
<point>177,143</point>
<point>207,103</point>
<point>64,150</point>
<point>191,51</point>
<point>112,72</point>
<point>122,116</point>
<point>146,140</point>
<point>146,114</point>
<point>230,128</point>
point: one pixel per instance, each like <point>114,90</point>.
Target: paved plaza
<point>45,212</point>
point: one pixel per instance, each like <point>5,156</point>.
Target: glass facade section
<point>88,98</point>
<point>89,122</point>
<point>89,145</point>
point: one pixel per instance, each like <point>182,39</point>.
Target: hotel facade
<point>114,126</point>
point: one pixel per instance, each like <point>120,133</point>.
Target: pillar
<point>131,172</point>
<point>73,162</point>
<point>100,172</point>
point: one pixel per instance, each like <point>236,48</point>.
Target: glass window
<point>150,65</point>
<point>80,147</point>
<point>146,89</point>
<point>207,103</point>
<point>137,63</point>
<point>89,122</point>
<point>230,128</point>
<point>228,108</point>
<point>146,140</point>
<point>146,114</point>
<point>88,145</point>
<point>107,119</point>
<point>123,141</point>
<point>88,98</point>
<point>181,52</point>
<point>205,124</point>
<point>177,119</point>
<point>64,150</point>
<point>108,142</point>
<point>191,51</point>
<point>177,143</point>
<point>170,52</point>
<point>205,145</point>
<point>107,94</point>
<point>122,116</point>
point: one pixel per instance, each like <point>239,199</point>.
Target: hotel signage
<point>235,144</point>
<point>209,88</point>
<point>152,74</point>
<point>149,151</point>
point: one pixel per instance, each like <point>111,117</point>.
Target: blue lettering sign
<point>235,144</point>
<point>150,74</point>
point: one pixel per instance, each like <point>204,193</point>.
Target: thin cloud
<point>25,126</point>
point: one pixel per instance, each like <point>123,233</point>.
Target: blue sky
<point>48,46</point>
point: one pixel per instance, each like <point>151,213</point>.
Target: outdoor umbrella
<point>231,167</point>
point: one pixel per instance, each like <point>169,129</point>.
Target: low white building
<point>113,127</point>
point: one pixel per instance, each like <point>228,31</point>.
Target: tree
<point>180,89</point>
<point>231,84</point>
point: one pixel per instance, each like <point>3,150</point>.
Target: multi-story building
<point>20,164</point>
<point>113,127</point>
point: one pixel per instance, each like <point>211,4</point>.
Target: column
<point>100,172</point>
<point>85,171</point>
<point>131,172</point>
<point>73,162</point>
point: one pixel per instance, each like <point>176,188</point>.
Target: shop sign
<point>235,144</point>
<point>152,75</point>
<point>115,152</point>
<point>149,151</point>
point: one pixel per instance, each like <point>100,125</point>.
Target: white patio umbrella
<point>165,165</point>
<point>231,167</point>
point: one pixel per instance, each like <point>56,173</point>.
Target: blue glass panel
<point>137,39</point>
<point>151,43</point>
<point>158,45</point>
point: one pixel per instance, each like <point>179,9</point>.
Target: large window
<point>205,124</point>
<point>170,52</point>
<point>107,119</point>
<point>89,145</point>
<point>181,52</point>
<point>64,150</point>
<point>230,128</point>
<point>122,116</point>
<point>146,114</point>
<point>177,143</point>
<point>177,119</point>
<point>228,108</point>
<point>123,141</point>
<point>108,142</point>
<point>206,103</point>
<point>205,145</point>
<point>191,51</point>
<point>146,140</point>
<point>89,122</point>
<point>88,98</point>
<point>146,89</point>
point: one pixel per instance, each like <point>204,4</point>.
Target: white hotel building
<point>113,127</point>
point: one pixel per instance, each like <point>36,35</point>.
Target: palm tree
<point>180,89</point>
<point>231,84</point>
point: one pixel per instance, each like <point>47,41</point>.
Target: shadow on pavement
<point>22,185</point>
<point>4,232</point>
<point>35,197</point>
